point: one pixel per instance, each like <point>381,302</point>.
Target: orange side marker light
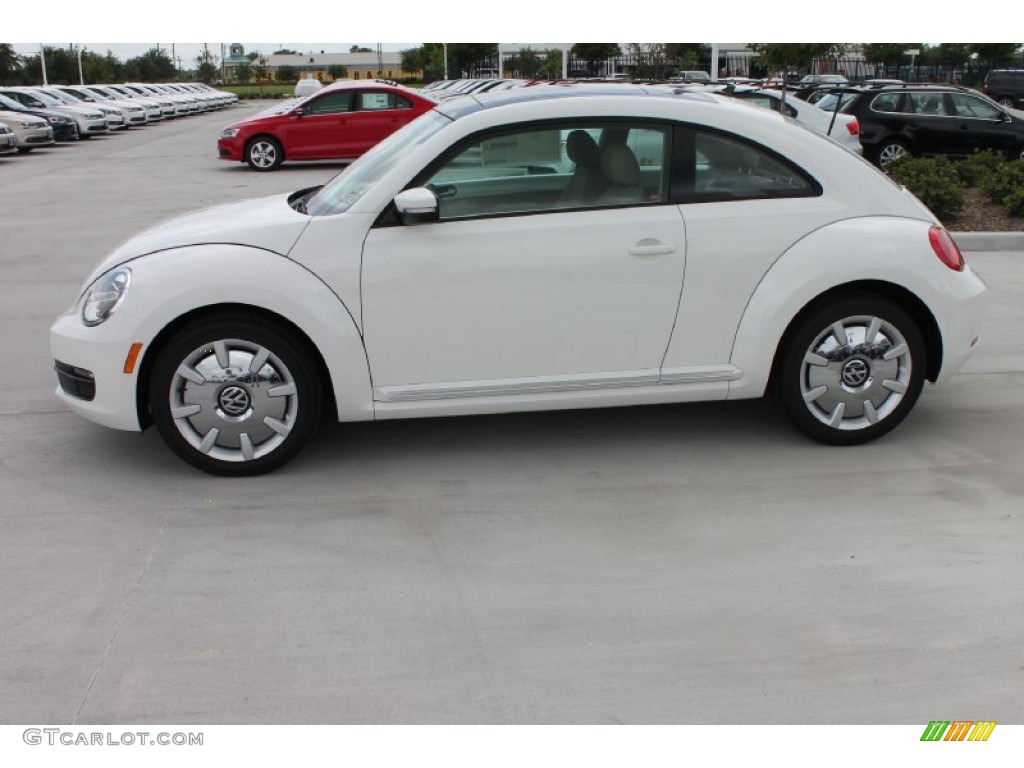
<point>133,356</point>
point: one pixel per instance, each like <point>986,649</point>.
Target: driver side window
<point>329,104</point>
<point>554,167</point>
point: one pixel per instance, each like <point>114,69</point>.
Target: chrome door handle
<point>652,248</point>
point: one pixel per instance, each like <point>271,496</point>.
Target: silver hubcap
<point>263,154</point>
<point>891,152</point>
<point>855,372</point>
<point>233,400</point>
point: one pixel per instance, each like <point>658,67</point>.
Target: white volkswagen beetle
<point>532,249</point>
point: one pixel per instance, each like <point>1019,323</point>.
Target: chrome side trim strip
<point>700,374</point>
<point>547,384</point>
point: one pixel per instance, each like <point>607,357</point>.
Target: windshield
<point>45,98</point>
<point>341,193</point>
<point>11,104</point>
<point>828,103</point>
<point>67,98</point>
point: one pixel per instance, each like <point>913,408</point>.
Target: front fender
<point>877,249</point>
<point>169,284</point>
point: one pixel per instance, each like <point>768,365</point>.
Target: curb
<point>989,241</point>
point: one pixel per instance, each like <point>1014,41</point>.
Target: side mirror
<point>416,206</point>
<point>298,112</point>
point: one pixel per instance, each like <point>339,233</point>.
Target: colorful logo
<point>958,730</point>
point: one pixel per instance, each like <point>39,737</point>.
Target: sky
<point>463,21</point>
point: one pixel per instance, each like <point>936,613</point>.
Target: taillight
<point>945,248</point>
<point>853,127</point>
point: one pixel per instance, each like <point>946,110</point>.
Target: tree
<point>252,56</point>
<point>243,73</point>
<point>783,57</point>
<point>469,57</point>
<point>287,74</point>
<point>526,63</point>
<point>552,66</point>
<point>428,59</point>
<point>947,54</point>
<point>688,55</point>
<point>995,53</point>
<point>101,69</point>
<point>888,53</point>
<point>259,71</point>
<point>357,49</point>
<point>337,71</point>
<point>207,66</point>
<point>155,65</point>
<point>594,54</point>
<point>285,52</point>
<point>10,64</point>
<point>650,60</point>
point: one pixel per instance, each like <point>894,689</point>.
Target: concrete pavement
<point>684,564</point>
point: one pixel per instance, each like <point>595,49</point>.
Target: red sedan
<point>343,120</point>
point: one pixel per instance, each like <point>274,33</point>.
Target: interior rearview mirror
<point>416,206</point>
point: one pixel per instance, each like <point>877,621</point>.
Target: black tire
<point>231,420</point>
<point>890,150</point>
<point>25,150</point>
<point>263,153</point>
<point>850,394</point>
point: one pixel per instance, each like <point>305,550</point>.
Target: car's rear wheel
<point>235,395</point>
<point>263,153</point>
<point>851,370</point>
<point>891,150</point>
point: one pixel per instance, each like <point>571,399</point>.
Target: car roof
<point>475,102</point>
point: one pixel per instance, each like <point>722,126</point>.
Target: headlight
<point>229,133</point>
<point>104,295</point>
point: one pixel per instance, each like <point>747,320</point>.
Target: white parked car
<point>837,125</point>
<point>532,249</point>
<point>307,86</point>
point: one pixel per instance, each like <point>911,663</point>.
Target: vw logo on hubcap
<point>855,372</point>
<point>234,401</point>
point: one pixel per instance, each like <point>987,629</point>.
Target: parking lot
<point>672,564</point>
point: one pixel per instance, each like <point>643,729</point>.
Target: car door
<point>929,123</point>
<point>323,129</point>
<point>979,125</point>
<point>529,282</point>
<point>744,207</point>
<point>378,113</point>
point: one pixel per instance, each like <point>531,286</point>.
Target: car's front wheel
<point>851,370</point>
<point>1005,101</point>
<point>263,153</point>
<point>235,394</point>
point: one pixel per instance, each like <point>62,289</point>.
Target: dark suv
<point>1006,86</point>
<point>928,120</point>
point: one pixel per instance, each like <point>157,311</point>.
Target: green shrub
<point>1014,203</point>
<point>933,180</point>
<point>979,165</point>
<point>1003,181</point>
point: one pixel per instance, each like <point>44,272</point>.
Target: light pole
<point>445,46</point>
<point>81,77</point>
<point>42,61</point>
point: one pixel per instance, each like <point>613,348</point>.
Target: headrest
<point>583,149</point>
<point>619,165</point>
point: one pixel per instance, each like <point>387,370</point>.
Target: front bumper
<point>230,149</point>
<point>90,127</point>
<point>35,137</point>
<point>65,131</point>
<point>99,352</point>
